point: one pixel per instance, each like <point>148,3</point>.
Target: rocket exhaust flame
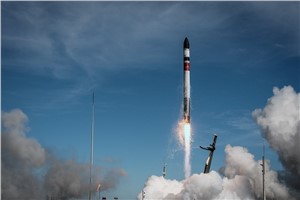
<point>185,139</point>
<point>187,148</point>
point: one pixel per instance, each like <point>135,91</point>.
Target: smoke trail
<point>29,171</point>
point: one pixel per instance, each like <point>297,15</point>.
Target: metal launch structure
<point>92,149</point>
<point>211,148</point>
<point>263,173</point>
<point>165,170</point>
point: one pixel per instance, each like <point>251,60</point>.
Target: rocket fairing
<point>186,81</point>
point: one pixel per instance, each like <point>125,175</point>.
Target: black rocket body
<point>186,81</point>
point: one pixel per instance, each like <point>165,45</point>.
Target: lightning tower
<point>92,148</point>
<point>263,172</point>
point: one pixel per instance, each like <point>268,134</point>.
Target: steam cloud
<point>242,175</point>
<point>280,125</point>
<point>30,172</point>
<point>242,180</point>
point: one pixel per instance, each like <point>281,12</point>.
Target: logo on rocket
<point>186,81</point>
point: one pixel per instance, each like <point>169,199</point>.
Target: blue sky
<point>56,54</point>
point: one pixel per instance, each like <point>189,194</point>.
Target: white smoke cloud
<point>236,188</point>
<point>239,162</point>
<point>280,124</point>
<point>28,171</point>
<point>160,188</point>
<point>279,121</point>
<point>242,180</point>
<point>210,184</point>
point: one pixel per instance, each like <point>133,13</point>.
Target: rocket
<point>186,81</point>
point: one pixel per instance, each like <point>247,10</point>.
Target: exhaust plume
<point>187,148</point>
<point>184,136</point>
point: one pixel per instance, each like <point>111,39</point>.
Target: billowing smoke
<point>280,125</point>
<point>30,172</point>
<point>242,180</point>
<point>239,162</point>
<point>111,178</point>
<point>67,179</point>
<point>70,179</point>
<point>27,150</point>
<point>21,157</point>
<point>242,175</point>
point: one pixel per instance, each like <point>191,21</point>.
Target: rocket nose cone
<point>186,43</point>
